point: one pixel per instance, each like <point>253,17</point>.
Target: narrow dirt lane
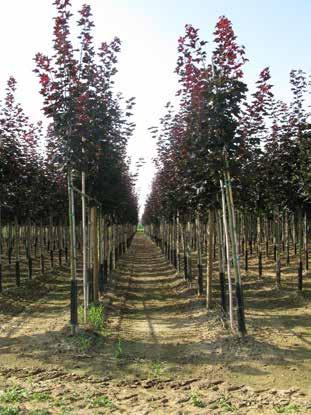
<point>154,313</point>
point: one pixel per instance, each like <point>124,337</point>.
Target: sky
<point>276,33</point>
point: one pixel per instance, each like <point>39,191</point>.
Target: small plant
<point>29,380</point>
<point>156,368</point>
<point>65,412</point>
<point>10,411</point>
<point>118,351</point>
<point>13,395</point>
<point>39,396</point>
<point>196,400</point>
<point>61,403</point>
<point>225,404</point>
<point>38,412</point>
<point>82,342</point>
<point>100,401</point>
<point>291,408</point>
<point>95,316</point>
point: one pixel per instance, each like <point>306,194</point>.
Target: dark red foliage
<point>228,56</point>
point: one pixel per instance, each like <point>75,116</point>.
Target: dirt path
<point>160,352</point>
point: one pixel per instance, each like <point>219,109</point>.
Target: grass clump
<point>95,316</point>
<point>291,408</point>
<point>40,396</point>
<point>225,404</point>
<point>100,402</point>
<point>196,400</point>
<point>65,412</point>
<point>156,369</point>
<point>63,405</point>
<point>118,350</point>
<point>82,342</point>
<point>10,411</point>
<point>14,395</point>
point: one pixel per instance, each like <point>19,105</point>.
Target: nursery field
<point>154,266</point>
<point>158,350</point>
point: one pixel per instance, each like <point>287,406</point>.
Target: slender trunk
<point>305,241</point>
<point>211,230</point>
<point>73,257</point>
<point>17,252</point>
<point>101,252</point>
<point>200,267</point>
<point>246,232</point>
<point>277,250</point>
<point>221,267</point>
<point>184,245</point>
<point>95,253</point>
<point>189,261</point>
<point>287,240</point>
<point>41,248</point>
<point>1,240</point>
<point>259,239</point>
<point>300,243</point>
<point>224,210</point>
<point>84,250</point>
<point>10,244</point>
<point>177,244</point>
<point>29,249</point>
<point>236,263</point>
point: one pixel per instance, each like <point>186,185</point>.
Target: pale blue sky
<point>275,33</point>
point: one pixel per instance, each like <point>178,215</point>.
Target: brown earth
<point>160,352</point>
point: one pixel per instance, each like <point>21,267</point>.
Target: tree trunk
<point>211,230</point>
<point>199,247</point>
<point>221,267</point>
<point>84,250</point>
<point>95,253</point>
<point>224,210</point>
<point>236,264</point>
<point>73,257</point>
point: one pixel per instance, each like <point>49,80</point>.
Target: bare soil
<point>160,352</point>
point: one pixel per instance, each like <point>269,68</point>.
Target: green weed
<point>29,380</point>
<point>65,412</point>
<point>225,404</point>
<point>196,400</point>
<point>118,350</point>
<point>61,403</point>
<point>38,412</point>
<point>39,396</point>
<point>13,395</point>
<point>10,411</point>
<point>100,401</point>
<point>287,409</point>
<point>157,368</point>
<point>95,316</point>
<point>82,342</point>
